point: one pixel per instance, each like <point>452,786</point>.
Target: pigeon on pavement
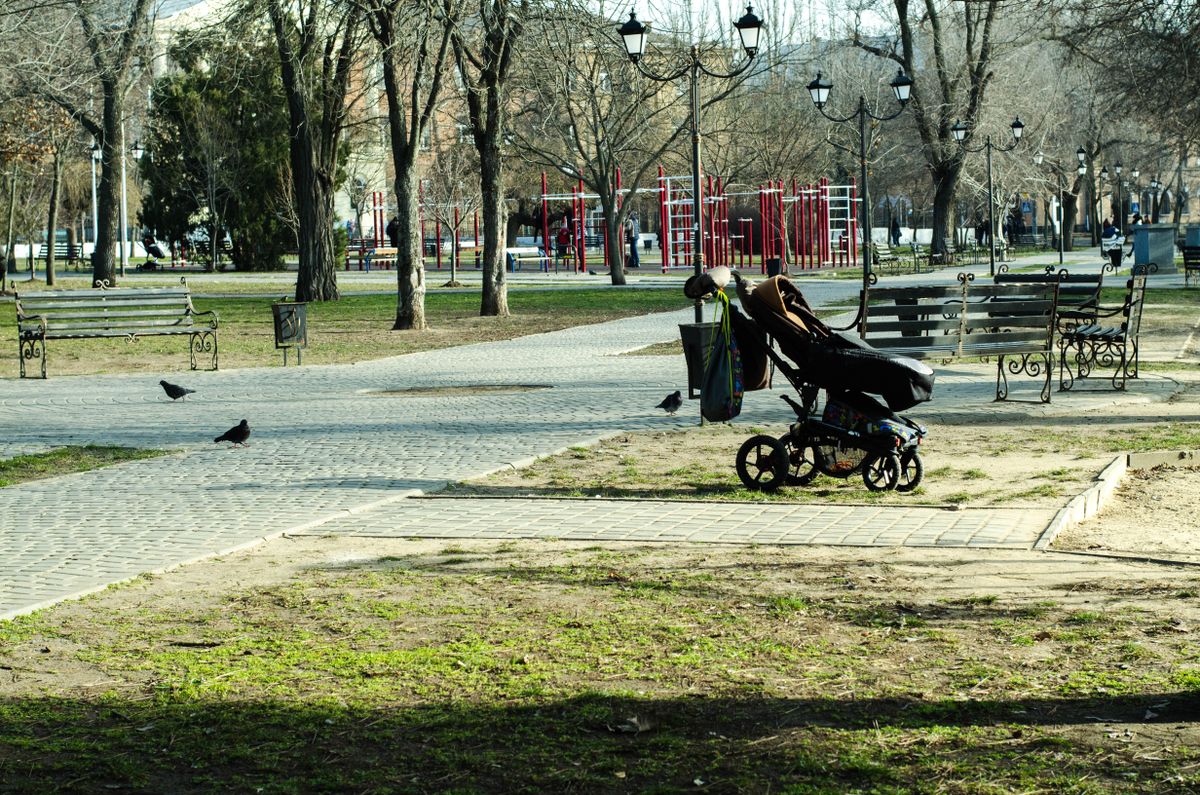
<point>174,391</point>
<point>671,402</point>
<point>238,434</point>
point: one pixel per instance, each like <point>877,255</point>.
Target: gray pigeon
<point>174,391</point>
<point>671,402</point>
<point>238,434</point>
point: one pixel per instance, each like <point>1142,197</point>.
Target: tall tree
<point>947,85</point>
<point>318,42</point>
<point>217,132</point>
<point>114,37</point>
<point>415,41</point>
<point>483,52</point>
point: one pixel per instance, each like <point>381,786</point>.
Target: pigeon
<point>174,391</point>
<point>671,402</point>
<point>238,434</point>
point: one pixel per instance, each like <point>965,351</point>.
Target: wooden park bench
<point>1191,263</point>
<point>1078,293</point>
<point>69,253</point>
<point>120,313</point>
<point>379,256</point>
<point>516,256</point>
<point>1109,339</point>
<point>965,321</point>
<point>883,256</point>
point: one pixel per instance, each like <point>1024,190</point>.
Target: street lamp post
<point>1060,182</point>
<point>1120,200</point>
<point>96,155</point>
<point>960,132</point>
<point>1155,185</point>
<point>634,34</point>
<point>820,90</point>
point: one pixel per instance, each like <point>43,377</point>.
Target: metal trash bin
<point>697,340</point>
<point>774,266</point>
<point>291,327</point>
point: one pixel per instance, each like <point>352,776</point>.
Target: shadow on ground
<point>589,743</point>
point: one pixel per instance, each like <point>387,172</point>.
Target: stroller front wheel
<point>762,463</point>
<point>911,472</point>
<point>802,460</point>
<point>881,472</point>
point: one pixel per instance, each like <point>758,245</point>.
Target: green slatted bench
<point>1014,323</point>
<point>117,313</point>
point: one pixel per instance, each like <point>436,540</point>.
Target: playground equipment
<point>810,226</point>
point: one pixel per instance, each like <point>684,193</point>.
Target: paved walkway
<point>329,454</point>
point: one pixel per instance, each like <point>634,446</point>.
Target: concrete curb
<point>1087,504</point>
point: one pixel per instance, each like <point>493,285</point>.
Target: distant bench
<point>121,313</point>
<point>379,256</point>
<point>966,321</point>
<point>515,256</point>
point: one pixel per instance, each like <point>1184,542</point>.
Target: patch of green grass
<point>974,474</point>
<point>66,460</point>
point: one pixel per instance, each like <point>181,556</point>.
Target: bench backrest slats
<point>920,324</point>
<point>78,312</point>
<point>51,325</point>
<point>890,294</point>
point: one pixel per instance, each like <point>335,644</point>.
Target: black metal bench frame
<point>112,313</point>
<point>1096,345</point>
<point>1014,323</point>
<point>1191,263</point>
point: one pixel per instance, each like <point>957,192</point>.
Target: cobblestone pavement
<point>329,452</point>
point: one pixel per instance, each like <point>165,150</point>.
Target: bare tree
<point>483,52</point>
<point>451,195</point>
<point>318,41</point>
<point>415,41</point>
<point>114,36</point>
<point>947,85</point>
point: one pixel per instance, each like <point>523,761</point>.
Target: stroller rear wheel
<point>881,472</point>
<point>911,471</point>
<point>762,463</point>
<point>802,460</point>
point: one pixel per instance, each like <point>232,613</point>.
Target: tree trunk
<point>494,301</point>
<point>1070,208</point>
<point>616,240</point>
<point>52,217</point>
<point>9,259</point>
<point>108,191</point>
<point>410,265</point>
<point>316,279</point>
<point>945,180</point>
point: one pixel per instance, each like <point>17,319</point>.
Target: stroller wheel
<point>802,460</point>
<point>762,463</point>
<point>881,472</point>
<point>911,471</point>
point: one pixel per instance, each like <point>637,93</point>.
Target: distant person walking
<point>562,240</point>
<point>633,232</point>
<point>895,231</point>
<point>393,232</point>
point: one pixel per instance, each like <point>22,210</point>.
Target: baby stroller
<point>854,433</point>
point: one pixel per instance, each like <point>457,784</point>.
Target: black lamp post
<point>634,34</point>
<point>96,155</point>
<point>819,90</point>
<point>961,132</point>
<point>1155,186</point>
<point>1038,159</point>
<point>1120,200</point>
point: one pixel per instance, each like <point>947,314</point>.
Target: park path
<point>330,454</point>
